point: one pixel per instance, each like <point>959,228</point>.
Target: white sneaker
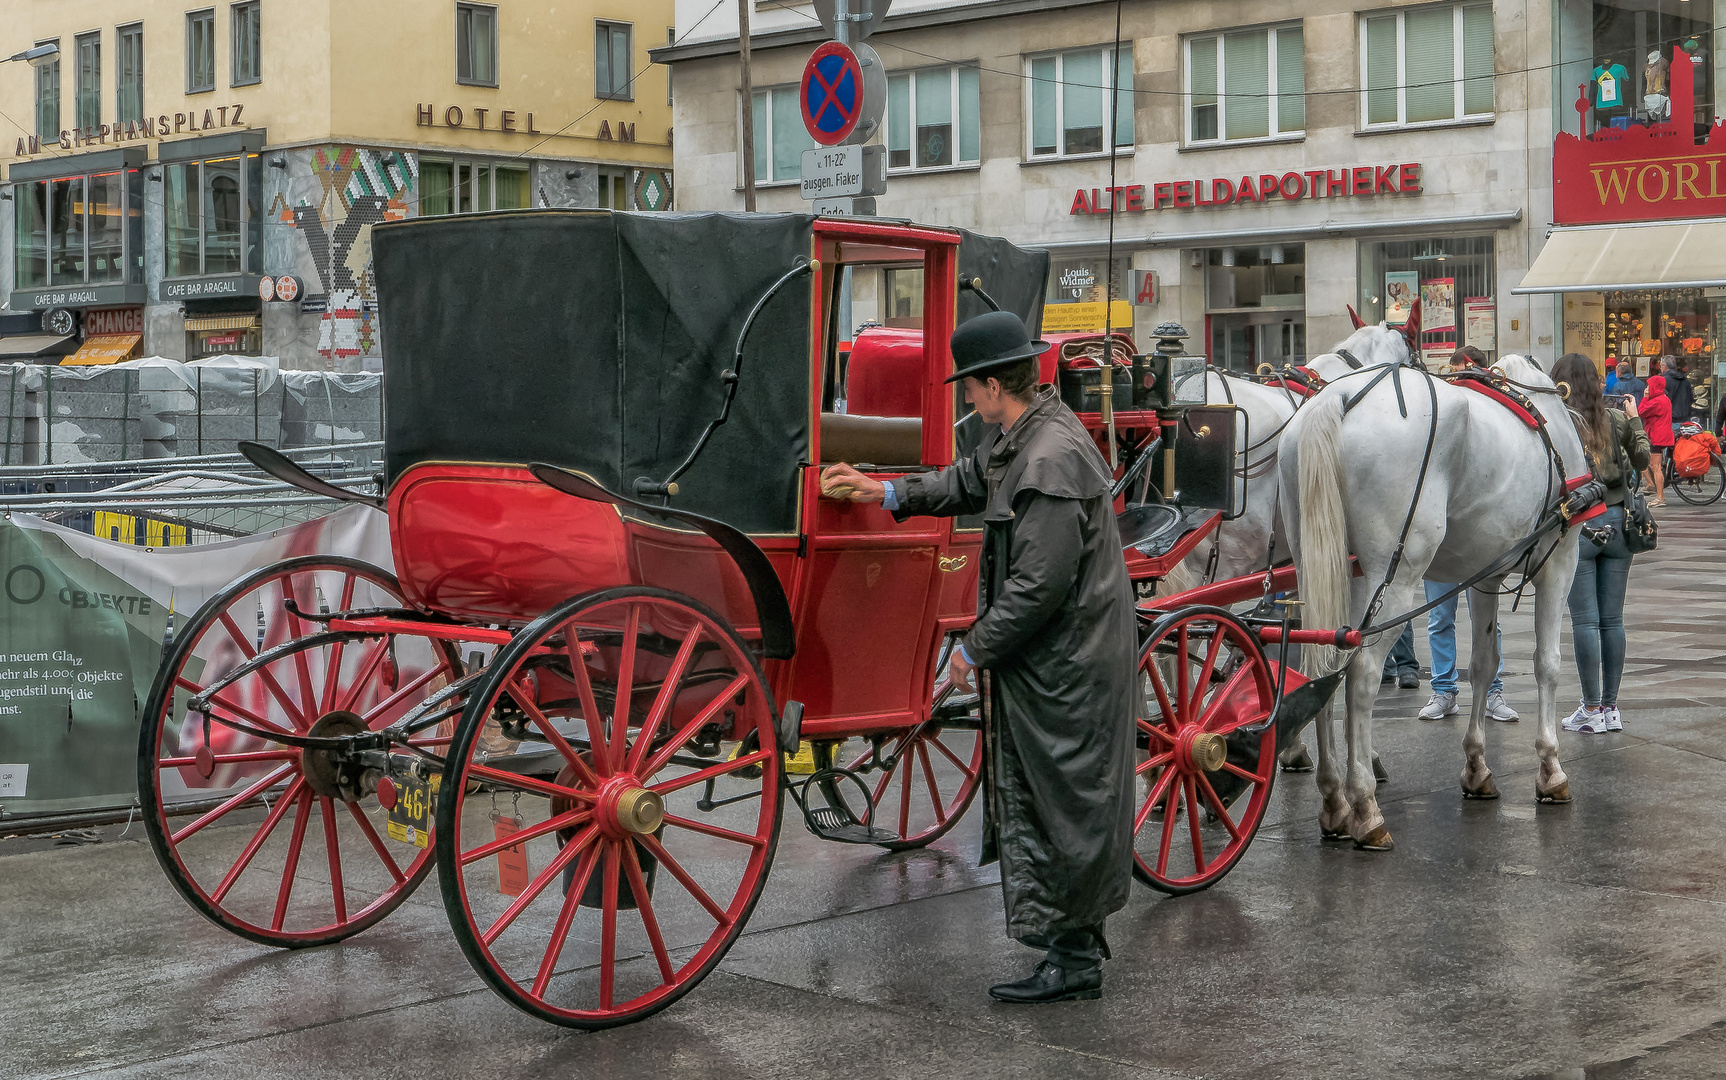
<point>1443,704</point>
<point>1588,721</point>
<point>1497,709</point>
<point>1614,722</point>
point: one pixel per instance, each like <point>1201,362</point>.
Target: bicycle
<point>1705,487</point>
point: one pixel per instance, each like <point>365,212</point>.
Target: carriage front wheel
<point>1204,775</point>
<point>283,845</point>
<point>602,868</point>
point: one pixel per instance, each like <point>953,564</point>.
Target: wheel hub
<point>1204,750</point>
<point>625,808</point>
<point>330,773</point>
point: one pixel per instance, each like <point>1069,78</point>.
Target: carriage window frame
<point>34,240</point>
<point>775,108</point>
<point>182,215</point>
<point>908,92</point>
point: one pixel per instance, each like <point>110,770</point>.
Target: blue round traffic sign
<point>832,93</point>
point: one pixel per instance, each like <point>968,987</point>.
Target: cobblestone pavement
<point>1498,939</point>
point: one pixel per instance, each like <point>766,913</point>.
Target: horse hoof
<point>1486,790</point>
<point>1299,761</point>
<point>1376,840</point>
<point>1334,834</point>
<point>1378,772</point>
<point>1558,795</point>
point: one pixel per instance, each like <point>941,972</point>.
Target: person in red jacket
<point>1656,413</point>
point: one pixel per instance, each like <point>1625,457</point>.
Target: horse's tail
<point>1323,566</point>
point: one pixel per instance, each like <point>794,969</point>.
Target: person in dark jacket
<point>1618,448</point>
<point>1055,633</point>
<point>1679,390</point>
<point>1628,383</point>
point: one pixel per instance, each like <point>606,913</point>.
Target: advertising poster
<point>1437,304</point>
<point>82,624</point>
<point>1585,326</point>
<point>1480,323</point>
<point>1400,289</point>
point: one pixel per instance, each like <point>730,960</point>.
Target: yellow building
<point>206,179</point>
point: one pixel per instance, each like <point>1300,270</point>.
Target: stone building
<point>1269,166</point>
<point>184,183</point>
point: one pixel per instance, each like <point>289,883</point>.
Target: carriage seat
<point>895,441</point>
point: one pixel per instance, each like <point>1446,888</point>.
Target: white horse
<point>1349,476</point>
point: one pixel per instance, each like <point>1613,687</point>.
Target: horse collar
<point>1349,358</point>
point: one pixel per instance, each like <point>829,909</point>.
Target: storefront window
<point>213,216</point>
<point>1621,52</point>
<point>1454,282</point>
<point>1255,305</point>
<point>79,230</point>
<point>469,187</point>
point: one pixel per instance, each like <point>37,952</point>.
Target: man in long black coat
<point>1055,631</point>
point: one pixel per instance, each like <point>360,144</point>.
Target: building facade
<point>207,179</point>
<point>1261,175</point>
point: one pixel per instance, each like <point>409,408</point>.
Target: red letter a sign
<point>1147,293</point>
<point>1081,205</point>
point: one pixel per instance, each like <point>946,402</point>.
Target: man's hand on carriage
<point>962,672</point>
<point>843,482</point>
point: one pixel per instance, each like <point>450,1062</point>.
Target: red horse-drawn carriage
<point>620,605</point>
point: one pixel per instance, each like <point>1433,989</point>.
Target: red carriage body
<point>620,597</point>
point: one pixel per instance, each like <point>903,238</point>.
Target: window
<point>213,216</point>
<point>1246,85</point>
<point>1444,273</point>
<point>1070,106</point>
<point>129,66</point>
<point>87,100</point>
<point>469,187</point>
<point>476,44</point>
<point>1427,65</point>
<point>244,60</point>
<point>614,190</point>
<point>80,230</point>
<point>200,51</point>
<point>613,62</point>
<point>48,98</point>
<point>670,39</point>
<point>780,137</point>
<point>921,109</point>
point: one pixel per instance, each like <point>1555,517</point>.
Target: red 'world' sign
<point>1641,173</point>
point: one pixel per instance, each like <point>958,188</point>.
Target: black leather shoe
<point>1408,681</point>
<point>1050,983</point>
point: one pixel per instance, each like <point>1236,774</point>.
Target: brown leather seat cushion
<point>876,440</point>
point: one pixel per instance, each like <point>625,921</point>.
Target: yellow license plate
<point>416,803</point>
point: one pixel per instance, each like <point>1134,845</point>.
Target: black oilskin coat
<point>1055,630</point>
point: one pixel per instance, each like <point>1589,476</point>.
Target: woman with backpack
<point>1619,449</point>
<point>1656,412</point>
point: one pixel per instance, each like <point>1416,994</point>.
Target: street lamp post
<point>37,54</point>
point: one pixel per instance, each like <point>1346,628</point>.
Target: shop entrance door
<point>1241,341</point>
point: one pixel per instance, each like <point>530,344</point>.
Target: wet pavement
<point>1499,939</point>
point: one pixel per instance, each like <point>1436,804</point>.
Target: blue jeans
<point>1441,639</point>
<point>1401,657</point>
<point>1597,611</point>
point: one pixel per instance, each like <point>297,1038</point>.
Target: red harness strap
<point>1293,387</point>
<point>1502,398</point>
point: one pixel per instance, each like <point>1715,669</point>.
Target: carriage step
<point>842,827</point>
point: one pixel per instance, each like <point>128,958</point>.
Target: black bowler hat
<point>991,341</point>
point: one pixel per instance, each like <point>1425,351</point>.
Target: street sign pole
<point>845,183</point>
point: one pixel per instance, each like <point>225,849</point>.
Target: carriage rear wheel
<point>265,839</point>
<point>1204,776</point>
<point>598,873</point>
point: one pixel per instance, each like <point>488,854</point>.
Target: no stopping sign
<point>833,95</point>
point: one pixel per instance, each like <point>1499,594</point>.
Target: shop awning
<point>1685,255</point>
<point>32,346</point>
<point>104,349</point>
<point>222,322</point>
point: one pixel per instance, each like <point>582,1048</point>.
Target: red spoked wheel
<point>277,843</point>
<point>641,844</point>
<point>1204,774</point>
